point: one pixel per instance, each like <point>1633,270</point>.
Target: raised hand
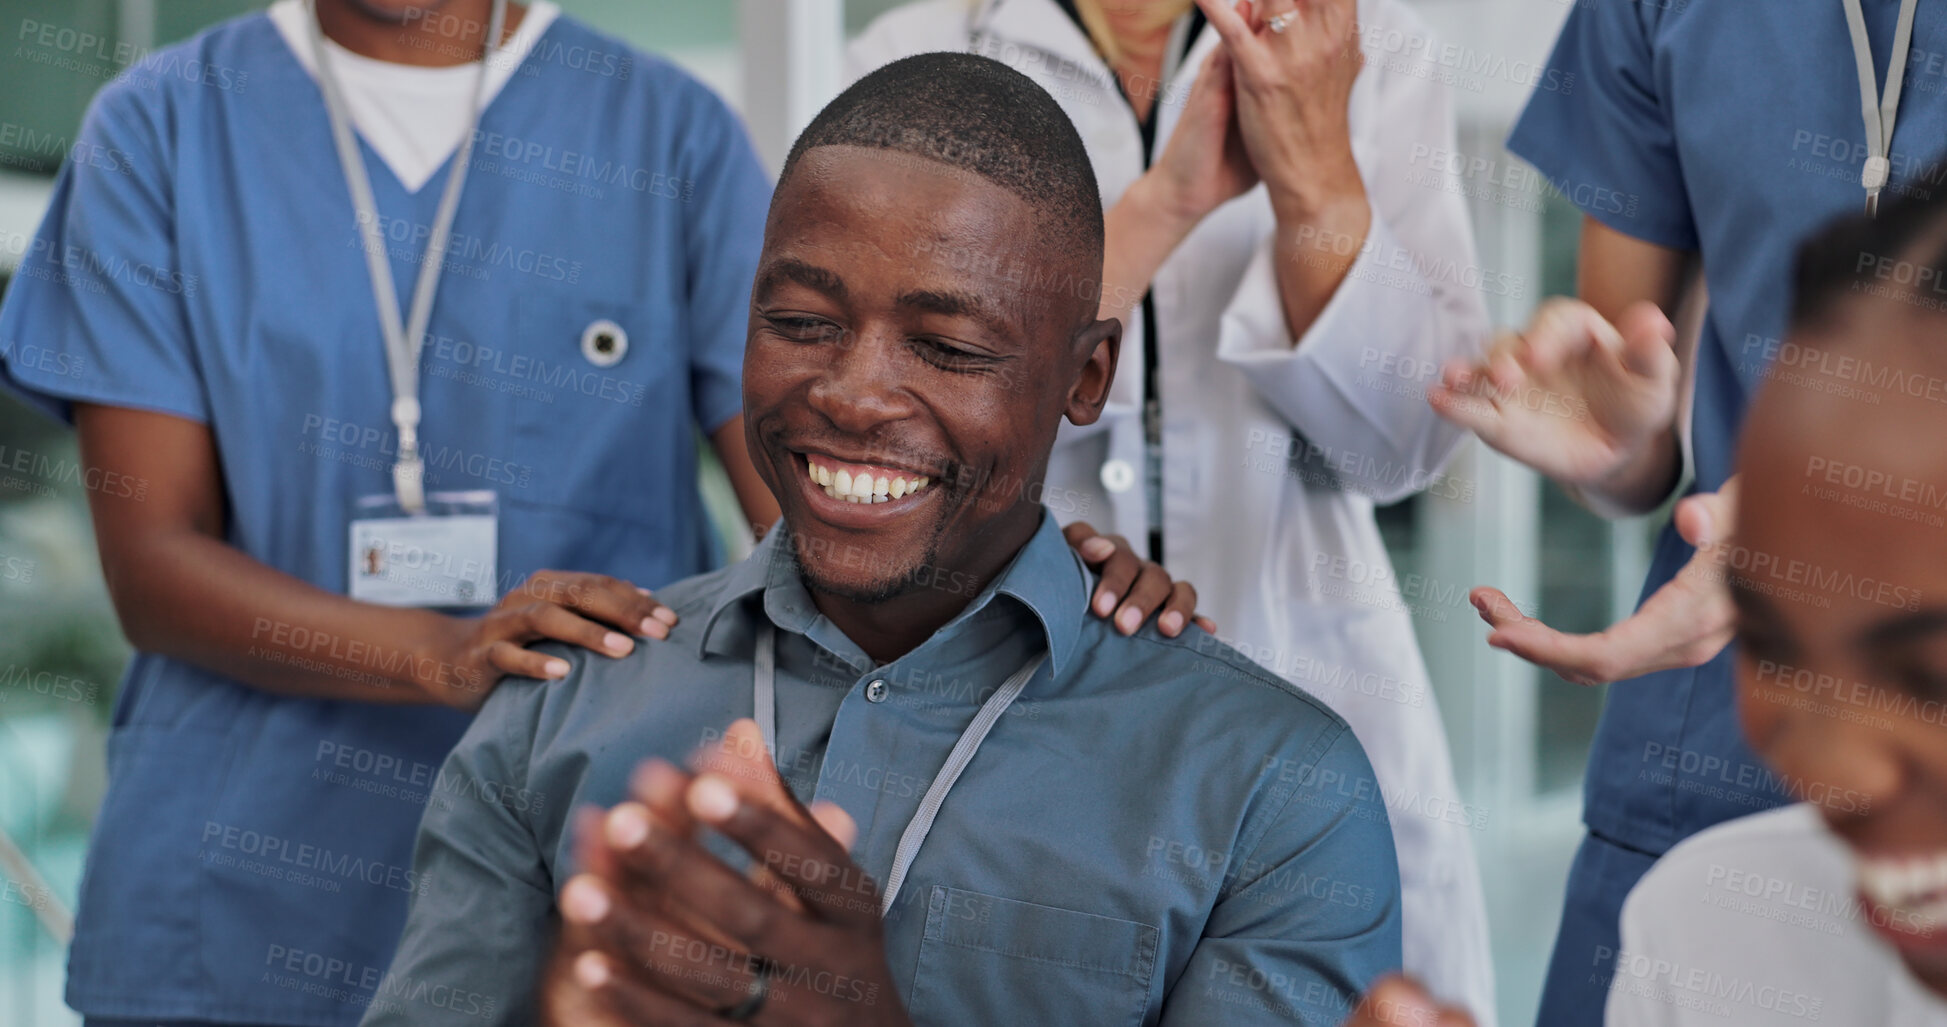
<point>1293,95</point>
<point>1572,396</point>
<point>1204,165</point>
<point>1683,624</point>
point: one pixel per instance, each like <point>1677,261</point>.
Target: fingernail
<point>1097,548</point>
<point>1171,623</point>
<point>583,902</point>
<point>555,668</point>
<point>648,624</point>
<point>617,644</point>
<point>1128,620</point>
<point>666,615</point>
<point>626,827</point>
<point>1105,603</point>
<point>591,970</point>
<point>712,798</point>
<point>643,591</point>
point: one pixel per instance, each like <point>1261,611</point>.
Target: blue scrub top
<point>1731,129</point>
<point>253,857</point>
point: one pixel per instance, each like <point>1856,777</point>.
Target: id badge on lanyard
<point>406,547</point>
<point>442,556</point>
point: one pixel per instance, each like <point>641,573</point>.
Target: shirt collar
<point>744,579</point>
<point>1046,577</point>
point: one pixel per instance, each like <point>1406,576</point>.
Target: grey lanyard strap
<point>764,701</point>
<point>402,341</point>
<point>1879,111</point>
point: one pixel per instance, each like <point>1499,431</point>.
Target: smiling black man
<point>1048,822</point>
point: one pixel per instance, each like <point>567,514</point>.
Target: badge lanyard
<point>764,701</point>
<point>402,342</point>
<point>1879,112</point>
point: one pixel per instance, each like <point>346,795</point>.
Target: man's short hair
<point>1901,253</point>
<point>979,116</point>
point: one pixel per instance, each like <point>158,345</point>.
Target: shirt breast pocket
<point>602,413</point>
<point>991,960</point>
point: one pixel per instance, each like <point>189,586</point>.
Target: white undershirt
<point>412,116</point>
<point>1756,922</point>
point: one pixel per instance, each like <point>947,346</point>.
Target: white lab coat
<point>1283,550</point>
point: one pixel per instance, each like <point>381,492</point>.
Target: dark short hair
<point>1904,247</point>
<point>982,117</point>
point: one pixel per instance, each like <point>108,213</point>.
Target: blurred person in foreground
<point>1833,909</point>
<point>1700,168</point>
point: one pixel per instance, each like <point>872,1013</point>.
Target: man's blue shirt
<point>1157,831</point>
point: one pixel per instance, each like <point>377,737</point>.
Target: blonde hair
<point>1096,21</point>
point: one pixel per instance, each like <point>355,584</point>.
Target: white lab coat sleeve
<point>1355,384</point>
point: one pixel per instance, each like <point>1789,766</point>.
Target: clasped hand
<point>657,930</point>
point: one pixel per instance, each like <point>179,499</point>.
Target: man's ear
<point>1100,345</point>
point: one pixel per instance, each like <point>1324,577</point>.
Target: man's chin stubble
<point>883,590</point>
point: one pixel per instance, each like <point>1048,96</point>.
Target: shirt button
<point>876,691</point>
<point>1117,475</point>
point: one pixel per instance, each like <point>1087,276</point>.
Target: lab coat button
<point>876,691</point>
<point>1118,476</point>
<point>604,343</point>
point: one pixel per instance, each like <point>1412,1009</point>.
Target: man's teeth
<point>863,488</point>
<point>1904,882</point>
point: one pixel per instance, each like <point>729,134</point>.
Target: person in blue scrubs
<point>1719,135</point>
<point>198,303</point>
<point>200,307</point>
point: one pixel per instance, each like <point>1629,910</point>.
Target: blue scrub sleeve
<point>96,311</point>
<point>729,196</point>
<point>1600,129</point>
<point>1311,916</point>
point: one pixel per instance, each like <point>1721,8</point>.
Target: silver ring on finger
<point>1279,22</point>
